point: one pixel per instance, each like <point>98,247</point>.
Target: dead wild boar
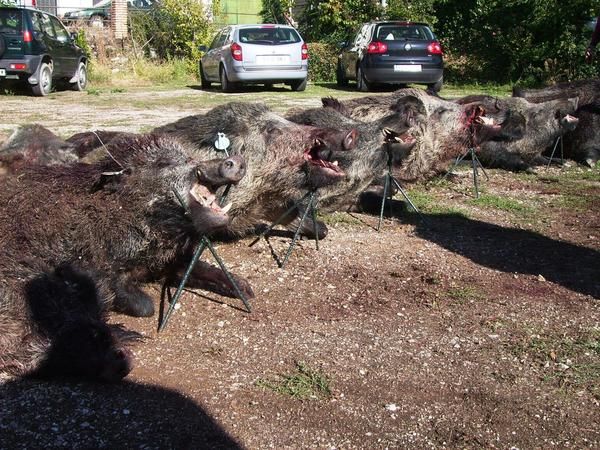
<point>34,144</point>
<point>53,323</point>
<point>443,130</point>
<point>377,141</point>
<point>120,216</point>
<point>543,123</point>
<point>583,143</point>
<point>284,160</point>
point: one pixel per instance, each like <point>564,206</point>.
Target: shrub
<point>323,62</point>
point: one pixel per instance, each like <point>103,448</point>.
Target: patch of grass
<point>501,203</point>
<point>303,383</point>
<point>576,202</point>
<point>339,218</point>
<point>571,362</point>
<point>429,204</point>
<point>464,293</point>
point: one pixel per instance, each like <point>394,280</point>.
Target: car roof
<point>266,25</point>
<point>397,22</point>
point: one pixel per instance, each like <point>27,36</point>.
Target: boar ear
<point>109,180</point>
<point>350,139</point>
<point>334,103</point>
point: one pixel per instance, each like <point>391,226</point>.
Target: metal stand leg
<point>558,139</point>
<point>390,181</point>
<point>203,245</point>
<point>310,207</point>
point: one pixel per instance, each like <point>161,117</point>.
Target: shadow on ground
<point>38,414</point>
<point>510,250</point>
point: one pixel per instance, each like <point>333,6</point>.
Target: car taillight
<point>18,66</point>
<point>27,36</point>
<point>435,48</point>
<point>236,51</point>
<point>377,47</point>
<point>304,51</point>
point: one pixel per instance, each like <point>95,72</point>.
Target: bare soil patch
<point>475,325</point>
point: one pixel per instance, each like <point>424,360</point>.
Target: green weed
<point>304,383</point>
<point>501,203</point>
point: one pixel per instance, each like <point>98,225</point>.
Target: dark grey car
<point>37,49</point>
<point>392,53</point>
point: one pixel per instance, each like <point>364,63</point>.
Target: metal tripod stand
<point>476,166</point>
<point>311,206</point>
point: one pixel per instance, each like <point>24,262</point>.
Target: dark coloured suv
<point>392,53</point>
<point>37,49</point>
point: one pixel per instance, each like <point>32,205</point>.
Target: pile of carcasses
<point>86,221</point>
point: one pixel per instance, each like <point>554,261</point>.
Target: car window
<point>62,35</point>
<point>36,20</point>
<point>47,27</point>
<point>269,36</point>
<point>219,39</point>
<point>362,36</point>
<point>10,21</point>
<point>397,32</point>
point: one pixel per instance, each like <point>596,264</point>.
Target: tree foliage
<point>175,28</point>
<point>413,10</point>
<point>273,11</point>
<point>332,21</point>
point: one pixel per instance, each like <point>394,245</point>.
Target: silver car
<point>260,54</point>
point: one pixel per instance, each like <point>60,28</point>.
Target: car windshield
<point>399,32</point>
<point>268,36</point>
<point>10,20</point>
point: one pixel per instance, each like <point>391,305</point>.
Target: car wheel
<point>361,84</point>
<point>96,21</point>
<point>298,85</point>
<point>44,85</point>
<point>340,76</point>
<point>436,87</point>
<point>82,78</point>
<point>226,85</point>
<point>204,83</point>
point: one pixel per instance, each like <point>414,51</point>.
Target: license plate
<point>2,73</point>
<point>272,59</point>
<point>407,68</point>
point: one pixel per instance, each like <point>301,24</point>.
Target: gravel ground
<point>475,325</point>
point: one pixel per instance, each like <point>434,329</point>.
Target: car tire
<point>204,83</point>
<point>2,46</point>
<point>44,85</point>
<point>340,77</point>
<point>298,85</point>
<point>361,83</point>
<point>436,87</point>
<point>82,78</point>
<point>96,21</point>
<point>226,85</point>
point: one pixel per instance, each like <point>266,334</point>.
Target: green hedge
<point>322,62</point>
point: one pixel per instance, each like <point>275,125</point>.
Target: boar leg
<point>207,277</point>
<point>130,299</point>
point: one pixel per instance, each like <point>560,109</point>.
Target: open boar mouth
<point>487,122</point>
<point>207,199</point>
<point>320,156</point>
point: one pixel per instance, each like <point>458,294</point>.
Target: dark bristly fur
<point>34,144</point>
<point>119,216</point>
<point>366,162</point>
<point>583,143</point>
<point>543,123</point>
<point>277,174</point>
<point>442,129</point>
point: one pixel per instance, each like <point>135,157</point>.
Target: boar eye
<point>228,164</point>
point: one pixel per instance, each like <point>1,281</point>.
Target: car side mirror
<point>73,36</point>
<point>203,48</point>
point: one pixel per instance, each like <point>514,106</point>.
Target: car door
<point>66,51</point>
<point>47,39</point>
<point>212,59</point>
<point>352,52</point>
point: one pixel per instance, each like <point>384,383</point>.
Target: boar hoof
<point>132,301</point>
